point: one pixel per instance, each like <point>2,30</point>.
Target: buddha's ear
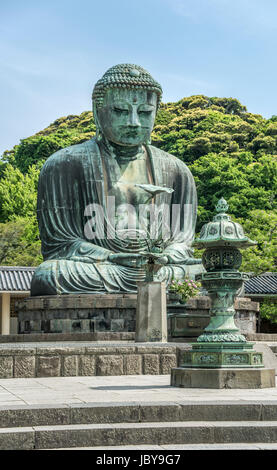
<point>97,124</point>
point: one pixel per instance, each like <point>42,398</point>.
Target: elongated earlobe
<point>98,134</point>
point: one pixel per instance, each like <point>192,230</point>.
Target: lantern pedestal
<point>228,355</point>
<point>222,378</point>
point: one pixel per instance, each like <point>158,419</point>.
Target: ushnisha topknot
<point>127,76</point>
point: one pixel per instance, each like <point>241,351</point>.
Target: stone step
<point>132,412</point>
<point>256,446</point>
<point>174,433</point>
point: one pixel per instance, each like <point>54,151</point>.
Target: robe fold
<point>70,181</point>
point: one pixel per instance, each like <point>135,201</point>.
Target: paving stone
<point>263,431</point>
<point>16,349</point>
<point>226,411</point>
<point>110,365</point>
<point>6,366</point>
<point>99,413</point>
<point>148,348</point>
<point>48,366</point>
<point>29,415</point>
<point>70,366</point>
<point>151,364</point>
<point>19,439</point>
<point>87,365</point>
<point>81,435</point>
<point>128,349</point>
<point>133,364</point>
<point>167,362</point>
<point>269,411</point>
<point>24,366</point>
<point>193,434</point>
<point>144,435</point>
<point>55,350</point>
<point>156,412</point>
<point>98,349</point>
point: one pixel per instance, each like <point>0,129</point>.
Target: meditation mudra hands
<point>137,260</point>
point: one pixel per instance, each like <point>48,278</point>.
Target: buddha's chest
<point>123,183</point>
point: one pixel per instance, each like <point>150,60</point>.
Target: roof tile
<point>263,284</point>
<point>15,278</point>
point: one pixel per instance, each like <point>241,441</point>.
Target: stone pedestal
<point>151,318</point>
<point>70,314</point>
<point>115,313</point>
<point>222,378</point>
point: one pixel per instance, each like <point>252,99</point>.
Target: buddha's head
<point>125,102</point>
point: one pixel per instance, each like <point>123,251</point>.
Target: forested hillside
<point>231,153</point>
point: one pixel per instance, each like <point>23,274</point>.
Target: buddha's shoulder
<point>168,157</point>
<point>71,155</point>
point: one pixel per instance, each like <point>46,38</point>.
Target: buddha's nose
<point>134,120</point>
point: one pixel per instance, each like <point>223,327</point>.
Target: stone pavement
<point>112,389</point>
<point>144,412</point>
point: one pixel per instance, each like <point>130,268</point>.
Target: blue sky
<point>53,51</point>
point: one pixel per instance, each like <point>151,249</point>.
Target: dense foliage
<point>231,153</point>
<point>268,311</point>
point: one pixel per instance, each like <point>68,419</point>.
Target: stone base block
<point>222,378</point>
<point>151,319</point>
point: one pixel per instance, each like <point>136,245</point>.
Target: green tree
<point>268,311</point>
<point>19,243</point>
<point>260,226</point>
<point>19,235</point>
<point>18,193</point>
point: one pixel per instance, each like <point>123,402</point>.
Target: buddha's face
<point>127,116</point>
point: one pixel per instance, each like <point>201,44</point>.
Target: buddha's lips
<point>131,133</point>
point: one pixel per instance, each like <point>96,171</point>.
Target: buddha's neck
<point>123,153</point>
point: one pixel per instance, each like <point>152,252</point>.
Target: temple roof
<point>262,284</point>
<point>15,278</point>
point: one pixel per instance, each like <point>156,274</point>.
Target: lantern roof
<point>222,231</point>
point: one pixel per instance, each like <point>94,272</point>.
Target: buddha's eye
<point>121,111</point>
<point>145,112</point>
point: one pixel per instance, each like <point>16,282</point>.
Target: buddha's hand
<point>129,260</point>
<point>156,258</point>
<point>161,259</point>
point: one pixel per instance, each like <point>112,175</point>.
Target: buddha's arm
<point>83,251</point>
<point>60,210</point>
<point>60,240</point>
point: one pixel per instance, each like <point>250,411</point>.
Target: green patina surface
<point>119,165</point>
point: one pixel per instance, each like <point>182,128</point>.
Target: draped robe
<point>71,180</point>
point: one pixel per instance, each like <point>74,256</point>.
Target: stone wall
<point>70,314</point>
<point>77,313</point>
<point>87,359</point>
